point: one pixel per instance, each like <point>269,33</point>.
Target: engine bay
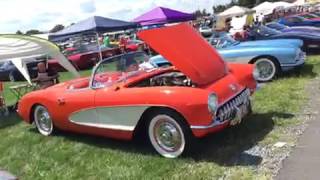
<point>167,79</point>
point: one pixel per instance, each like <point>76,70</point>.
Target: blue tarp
<point>92,25</point>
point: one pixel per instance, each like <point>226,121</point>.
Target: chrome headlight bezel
<point>213,103</point>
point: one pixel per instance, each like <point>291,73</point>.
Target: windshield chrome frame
<point>104,60</point>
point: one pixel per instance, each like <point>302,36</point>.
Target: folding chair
<point>3,106</point>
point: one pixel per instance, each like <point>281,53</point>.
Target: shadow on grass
<point>313,52</point>
<point>227,147</point>
<point>11,120</point>
<point>306,71</point>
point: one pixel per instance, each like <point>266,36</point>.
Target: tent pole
<point>100,53</point>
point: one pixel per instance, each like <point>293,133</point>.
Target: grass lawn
<point>29,155</point>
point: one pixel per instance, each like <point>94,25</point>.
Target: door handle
<point>61,101</point>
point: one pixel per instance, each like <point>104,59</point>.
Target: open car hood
<point>188,51</point>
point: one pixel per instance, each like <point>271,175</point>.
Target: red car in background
<point>83,60</point>
<point>86,59</point>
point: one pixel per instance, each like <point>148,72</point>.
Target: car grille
<point>227,111</point>
<point>301,55</point>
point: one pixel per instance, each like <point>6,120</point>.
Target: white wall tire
<point>267,68</point>
<point>167,135</point>
<point>43,120</point>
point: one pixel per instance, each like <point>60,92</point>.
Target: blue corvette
<point>298,21</point>
<point>271,57</point>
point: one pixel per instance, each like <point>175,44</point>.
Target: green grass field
<point>27,154</point>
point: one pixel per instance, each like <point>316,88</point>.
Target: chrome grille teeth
<point>226,111</point>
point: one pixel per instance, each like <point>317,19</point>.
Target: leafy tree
<point>57,28</point>
<point>19,32</point>
<point>33,31</point>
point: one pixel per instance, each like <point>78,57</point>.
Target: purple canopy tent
<point>161,15</point>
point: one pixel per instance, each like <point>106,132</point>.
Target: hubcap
<point>167,136</point>
<point>43,120</point>
<point>266,69</point>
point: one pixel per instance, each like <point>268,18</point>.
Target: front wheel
<point>169,134</point>
<point>43,120</point>
<point>268,69</point>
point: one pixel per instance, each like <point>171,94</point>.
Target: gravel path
<point>304,162</point>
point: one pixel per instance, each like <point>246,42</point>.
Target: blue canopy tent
<point>95,24</point>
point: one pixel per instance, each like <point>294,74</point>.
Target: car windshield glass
<point>276,26</point>
<point>264,30</point>
<point>5,64</point>
<point>119,68</point>
<point>223,40</point>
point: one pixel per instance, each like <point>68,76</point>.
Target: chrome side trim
<point>106,126</point>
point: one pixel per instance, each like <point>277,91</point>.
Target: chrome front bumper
<point>231,111</point>
<point>299,62</point>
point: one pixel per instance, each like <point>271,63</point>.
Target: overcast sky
<point>44,14</point>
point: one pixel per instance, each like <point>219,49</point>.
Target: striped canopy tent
<point>21,48</point>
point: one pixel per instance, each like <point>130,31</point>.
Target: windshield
<point>276,26</point>
<point>5,64</point>
<point>266,31</point>
<point>222,40</point>
<point>119,68</point>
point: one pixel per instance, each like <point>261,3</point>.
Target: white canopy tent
<point>20,48</point>
<point>281,4</point>
<point>264,8</point>
<point>299,2</point>
<point>236,11</point>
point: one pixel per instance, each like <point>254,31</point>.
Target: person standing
<point>106,41</point>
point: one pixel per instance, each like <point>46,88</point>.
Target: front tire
<point>43,120</point>
<point>169,134</point>
<point>268,69</point>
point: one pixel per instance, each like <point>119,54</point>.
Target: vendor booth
<point>236,16</point>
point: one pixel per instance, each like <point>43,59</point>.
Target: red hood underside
<point>188,51</point>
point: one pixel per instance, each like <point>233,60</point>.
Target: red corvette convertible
<point>200,95</point>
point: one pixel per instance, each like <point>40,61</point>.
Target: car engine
<point>167,79</point>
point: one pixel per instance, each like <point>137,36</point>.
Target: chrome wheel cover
<point>266,68</point>
<point>43,120</point>
<point>166,136</point>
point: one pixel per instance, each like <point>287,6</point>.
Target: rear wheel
<point>169,134</point>
<point>43,120</point>
<point>268,69</point>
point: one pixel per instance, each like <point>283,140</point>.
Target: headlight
<point>213,103</point>
<point>256,73</point>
